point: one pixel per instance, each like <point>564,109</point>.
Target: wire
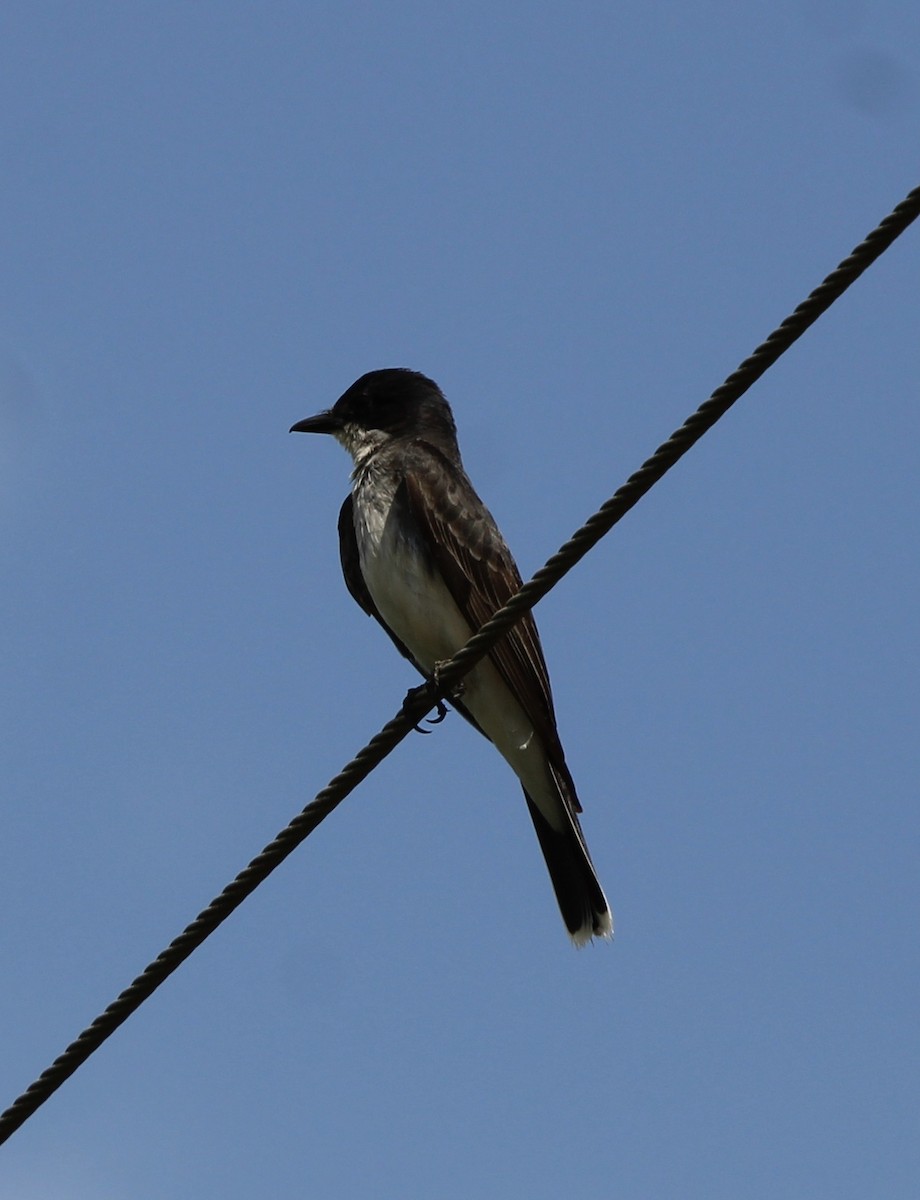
<point>421,700</point>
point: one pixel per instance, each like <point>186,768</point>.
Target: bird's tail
<point>580,896</point>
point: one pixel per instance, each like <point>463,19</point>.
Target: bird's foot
<point>440,708</point>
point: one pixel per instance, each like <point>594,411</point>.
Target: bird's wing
<point>470,553</point>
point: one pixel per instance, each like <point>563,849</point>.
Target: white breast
<point>413,601</point>
<point>417,606</point>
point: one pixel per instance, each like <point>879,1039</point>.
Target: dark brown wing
<point>481,575</point>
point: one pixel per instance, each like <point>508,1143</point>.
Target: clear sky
<point>578,218</point>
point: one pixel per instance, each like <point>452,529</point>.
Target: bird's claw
<point>442,713</point>
<point>440,708</point>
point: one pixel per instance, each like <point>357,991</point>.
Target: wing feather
<point>481,575</point>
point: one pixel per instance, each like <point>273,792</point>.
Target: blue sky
<point>578,218</point>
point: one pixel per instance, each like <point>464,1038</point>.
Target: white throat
<point>361,443</point>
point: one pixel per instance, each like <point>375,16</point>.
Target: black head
<point>393,403</point>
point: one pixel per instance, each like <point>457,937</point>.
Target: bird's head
<point>394,403</point>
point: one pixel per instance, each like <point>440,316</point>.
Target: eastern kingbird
<point>422,554</point>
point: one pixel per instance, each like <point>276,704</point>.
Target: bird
<point>422,554</point>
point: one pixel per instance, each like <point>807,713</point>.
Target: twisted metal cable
<point>421,700</point>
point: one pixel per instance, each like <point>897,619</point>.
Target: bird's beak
<point>324,422</point>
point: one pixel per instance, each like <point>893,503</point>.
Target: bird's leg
<point>454,694</point>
